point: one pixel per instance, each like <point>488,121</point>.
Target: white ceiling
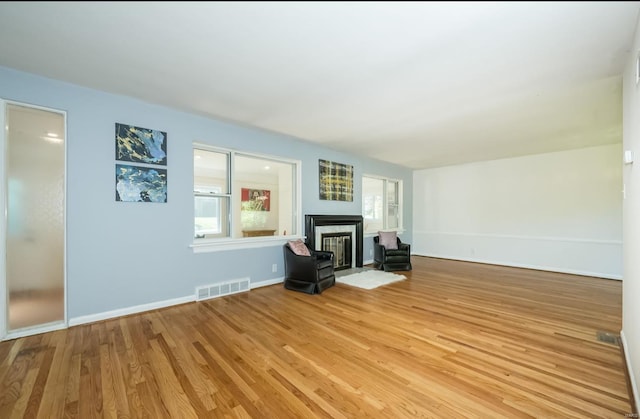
<point>419,84</point>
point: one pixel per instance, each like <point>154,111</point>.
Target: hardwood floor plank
<point>72,387</point>
<point>228,395</point>
<point>172,393</point>
<point>109,402</point>
<point>52,403</point>
<point>189,366</point>
<point>90,397</point>
<point>186,383</point>
<point>38,389</point>
<point>8,354</point>
<point>13,386</point>
<point>454,339</point>
<point>152,406</point>
<point>18,408</point>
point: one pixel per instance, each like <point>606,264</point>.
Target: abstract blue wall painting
<point>141,145</point>
<point>140,184</point>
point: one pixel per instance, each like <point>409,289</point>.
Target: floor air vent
<point>222,288</point>
<point>608,337</point>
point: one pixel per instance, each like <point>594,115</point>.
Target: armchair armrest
<point>405,246</point>
<point>379,251</point>
<point>322,255</point>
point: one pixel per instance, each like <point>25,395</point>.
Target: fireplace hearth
<point>339,226</point>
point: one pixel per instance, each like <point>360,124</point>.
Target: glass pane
<point>35,216</point>
<point>210,171</point>
<point>392,205</point>
<point>372,204</point>
<point>264,191</point>
<point>211,216</point>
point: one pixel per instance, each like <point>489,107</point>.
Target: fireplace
<point>337,233</point>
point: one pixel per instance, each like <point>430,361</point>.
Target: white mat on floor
<point>370,279</point>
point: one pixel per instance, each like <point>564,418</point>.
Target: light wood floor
<point>454,340</point>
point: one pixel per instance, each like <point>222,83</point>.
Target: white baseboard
<point>524,266</point>
<point>91,318</point>
<point>267,282</point>
<point>632,377</point>
<point>30,331</point>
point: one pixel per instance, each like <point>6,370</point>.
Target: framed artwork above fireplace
<point>336,181</point>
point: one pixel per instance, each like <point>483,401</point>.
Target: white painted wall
<point>631,220</point>
<point>559,211</point>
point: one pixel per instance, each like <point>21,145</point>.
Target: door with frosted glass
<point>34,201</point>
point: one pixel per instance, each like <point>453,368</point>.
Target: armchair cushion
<point>388,239</point>
<point>299,248</point>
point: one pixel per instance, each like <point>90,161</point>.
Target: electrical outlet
<point>274,267</point>
<point>370,252</point>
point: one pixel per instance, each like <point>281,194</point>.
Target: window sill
<point>221,245</point>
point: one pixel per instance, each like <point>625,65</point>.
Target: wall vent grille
<point>608,337</point>
<point>224,288</point>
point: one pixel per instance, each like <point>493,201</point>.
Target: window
<point>239,195</point>
<point>211,193</point>
<point>381,204</point>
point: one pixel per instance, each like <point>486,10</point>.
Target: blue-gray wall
<point>123,255</point>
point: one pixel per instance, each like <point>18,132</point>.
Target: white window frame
<point>203,245</point>
<point>385,204</point>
